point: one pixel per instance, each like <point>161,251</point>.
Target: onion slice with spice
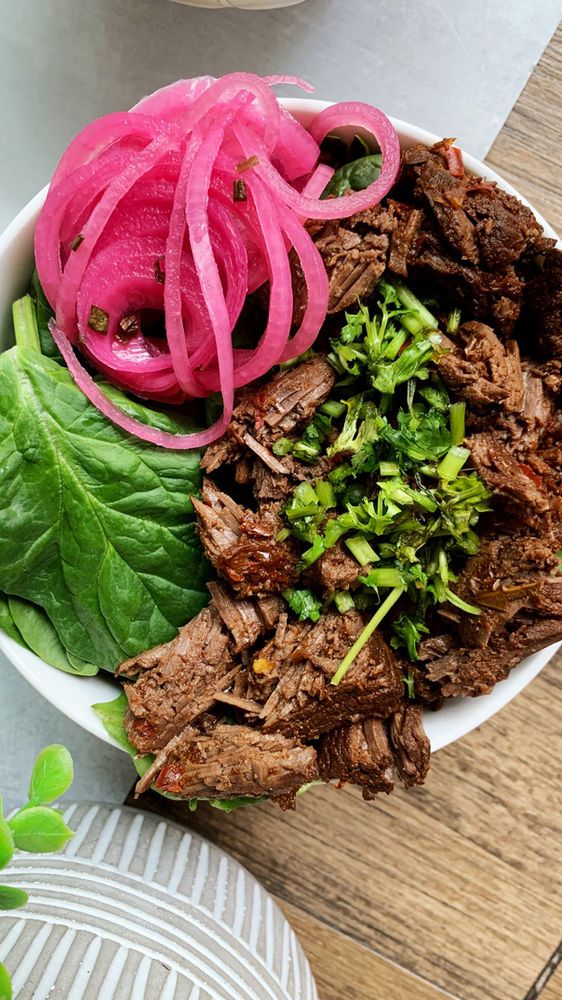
<point>179,209</point>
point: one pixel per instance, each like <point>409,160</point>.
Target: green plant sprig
<point>36,828</point>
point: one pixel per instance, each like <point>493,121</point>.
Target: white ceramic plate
<point>74,696</point>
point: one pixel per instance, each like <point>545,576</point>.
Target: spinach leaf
<point>39,634</point>
<point>44,313</point>
<point>354,176</point>
<point>8,624</point>
<point>112,714</point>
<point>96,527</point>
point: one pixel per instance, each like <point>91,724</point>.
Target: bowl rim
<point>459,716</point>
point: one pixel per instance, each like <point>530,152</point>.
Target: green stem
<point>418,318</point>
<point>366,634</point>
<point>25,324</point>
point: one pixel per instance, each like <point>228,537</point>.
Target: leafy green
<point>354,176</point>
<point>6,843</point>
<point>11,898</point>
<point>52,775</point>
<point>229,805</point>
<point>408,632</point>
<point>96,526</point>
<point>401,499</point>
<point>303,603</point>
<point>39,635</point>
<point>39,830</point>
<point>112,714</point>
<point>7,623</point>
<point>44,313</point>
<point>5,984</point>
<point>34,828</point>
<point>25,323</point>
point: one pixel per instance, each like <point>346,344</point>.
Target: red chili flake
<point>454,161</point>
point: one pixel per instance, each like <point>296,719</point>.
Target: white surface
<point>240,4</point>
<point>74,696</point>
<point>453,67</point>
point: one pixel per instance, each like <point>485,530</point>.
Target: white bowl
<point>74,696</point>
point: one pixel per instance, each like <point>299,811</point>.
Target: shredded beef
<point>359,753</point>
<point>274,409</point>
<point>543,308</point>
<point>505,228</point>
<point>246,620</point>
<point>506,575</point>
<point>505,476</point>
<point>336,569</point>
<point>411,744</point>
<point>475,671</point>
<point>180,685</point>
<point>304,703</point>
<point>366,753</point>
<point>236,760</point>
<point>218,520</point>
<point>257,563</point>
<point>481,370</point>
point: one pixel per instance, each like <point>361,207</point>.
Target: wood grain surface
<point>453,889</point>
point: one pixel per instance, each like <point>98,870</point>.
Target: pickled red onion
<point>184,206</point>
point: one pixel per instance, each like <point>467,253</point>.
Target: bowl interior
<point>74,696</point>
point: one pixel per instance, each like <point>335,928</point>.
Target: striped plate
<point>138,908</point>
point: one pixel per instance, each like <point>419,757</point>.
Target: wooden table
<point>451,890</point>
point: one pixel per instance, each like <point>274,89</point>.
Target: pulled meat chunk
<point>257,563</point>
<point>359,753</point>
<point>505,476</point>
<point>180,683</point>
<point>243,545</point>
<point>272,410</point>
<point>246,620</point>
<point>304,703</point>
<point>366,753</point>
<point>411,744</point>
<point>506,575</point>
<point>475,671</point>
<point>481,370</point>
<point>336,569</point>
<point>543,308</point>
<point>235,760</point>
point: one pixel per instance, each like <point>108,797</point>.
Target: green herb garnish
<point>401,499</point>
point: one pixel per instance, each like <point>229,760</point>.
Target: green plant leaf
<point>44,313</point>
<point>6,843</point>
<point>39,634</point>
<point>11,898</point>
<point>7,622</point>
<point>39,830</point>
<point>96,526</point>
<point>5,984</point>
<point>52,775</point>
<point>354,176</point>
<point>112,714</point>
